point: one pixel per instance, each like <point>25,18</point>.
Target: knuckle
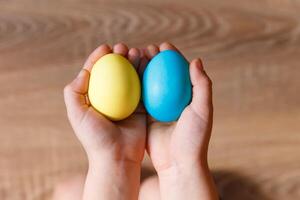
<point>67,89</point>
<point>207,81</point>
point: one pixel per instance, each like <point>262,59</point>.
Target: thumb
<point>202,90</point>
<point>75,95</point>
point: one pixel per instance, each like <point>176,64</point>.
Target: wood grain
<point>250,49</point>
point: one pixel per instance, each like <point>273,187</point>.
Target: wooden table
<point>251,50</point>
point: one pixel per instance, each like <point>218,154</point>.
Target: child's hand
<point>115,149</point>
<point>179,150</point>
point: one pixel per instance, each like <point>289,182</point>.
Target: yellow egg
<point>114,87</point>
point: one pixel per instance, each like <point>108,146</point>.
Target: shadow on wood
<point>234,186</point>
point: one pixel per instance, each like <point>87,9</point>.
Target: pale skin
<point>115,149</point>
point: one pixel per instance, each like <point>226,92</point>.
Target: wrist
<point>117,168</point>
<point>183,170</point>
<point>114,155</point>
<point>112,179</point>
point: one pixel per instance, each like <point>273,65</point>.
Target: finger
<point>150,119</point>
<point>121,49</point>
<point>167,46</point>
<point>202,90</point>
<point>95,55</point>
<point>143,62</point>
<point>75,94</point>
<point>140,108</point>
<point>134,57</point>
<point>151,51</point>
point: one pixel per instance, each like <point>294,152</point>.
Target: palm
<point>127,137</point>
<point>187,139</point>
<point>179,141</point>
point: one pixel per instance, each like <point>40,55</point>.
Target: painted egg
<point>166,86</point>
<point>114,87</point>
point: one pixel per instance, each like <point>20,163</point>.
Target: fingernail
<point>198,63</point>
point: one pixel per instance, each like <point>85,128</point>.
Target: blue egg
<point>167,88</point>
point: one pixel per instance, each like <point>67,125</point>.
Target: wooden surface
<point>251,49</point>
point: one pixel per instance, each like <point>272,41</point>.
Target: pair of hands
<point>116,149</point>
